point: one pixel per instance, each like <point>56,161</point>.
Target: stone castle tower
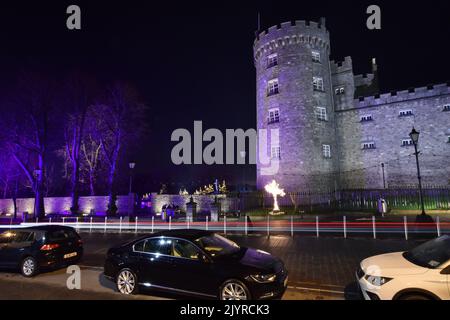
<point>294,95</point>
<point>334,129</point>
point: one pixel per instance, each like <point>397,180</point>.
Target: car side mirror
<point>446,270</point>
<point>204,258</point>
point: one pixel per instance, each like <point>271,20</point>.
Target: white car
<point>420,274</point>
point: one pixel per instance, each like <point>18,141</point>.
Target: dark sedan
<point>196,262</point>
<point>33,248</point>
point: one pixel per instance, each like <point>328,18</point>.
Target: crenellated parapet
<point>341,66</point>
<point>404,95</point>
<point>292,33</point>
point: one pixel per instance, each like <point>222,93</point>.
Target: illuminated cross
<point>274,189</point>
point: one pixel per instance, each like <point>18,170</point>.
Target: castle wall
<point>362,168</point>
<point>61,205</point>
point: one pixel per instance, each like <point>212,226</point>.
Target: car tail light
<point>49,247</point>
<point>79,242</point>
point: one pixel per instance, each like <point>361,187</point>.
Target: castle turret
<point>295,96</point>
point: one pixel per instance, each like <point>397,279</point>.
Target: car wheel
<point>414,297</point>
<point>234,290</point>
<point>127,282</point>
<point>28,267</point>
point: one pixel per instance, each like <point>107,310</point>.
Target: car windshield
<point>217,245</point>
<point>431,254</point>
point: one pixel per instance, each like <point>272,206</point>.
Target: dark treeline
<point>67,135</point>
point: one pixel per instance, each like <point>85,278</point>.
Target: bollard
<point>77,227</point>
<point>374,228</point>
<point>225,224</point>
<point>345,227</point>
<point>170,222</point>
<point>245,224</point>
<point>187,221</point>
<point>10,223</point>
<point>90,224</point>
<point>120,225</point>
<point>292,226</point>
<point>50,220</point>
<point>206,223</point>
<point>405,224</point>
<point>317,226</point>
<point>64,220</point>
<point>135,224</point>
<point>37,220</point>
<point>438,226</point>
<point>153,223</point>
<point>106,219</point>
<point>268,226</point>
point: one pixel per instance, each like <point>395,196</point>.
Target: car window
<point>6,237</point>
<point>158,245</point>
<point>431,254</point>
<point>61,234</point>
<point>16,236</point>
<point>139,246</point>
<point>185,249</point>
<point>217,245</point>
<point>24,237</point>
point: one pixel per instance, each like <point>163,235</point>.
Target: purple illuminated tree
<point>77,96</point>
<point>26,128</point>
<point>120,123</point>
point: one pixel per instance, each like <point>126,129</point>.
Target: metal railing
<point>268,226</point>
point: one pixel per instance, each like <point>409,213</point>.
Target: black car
<point>196,262</point>
<point>33,248</point>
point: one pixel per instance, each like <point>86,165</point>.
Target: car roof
<point>45,228</point>
<point>187,234</point>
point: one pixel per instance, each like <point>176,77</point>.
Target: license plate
<point>285,281</point>
<point>70,255</point>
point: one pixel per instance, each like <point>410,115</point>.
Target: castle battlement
<point>292,32</point>
<point>341,66</point>
<point>403,95</point>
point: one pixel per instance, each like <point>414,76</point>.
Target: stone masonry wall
<point>61,205</point>
<point>362,168</point>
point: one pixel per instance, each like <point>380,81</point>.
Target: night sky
<point>192,60</point>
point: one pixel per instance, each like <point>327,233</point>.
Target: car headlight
<point>377,280</point>
<point>264,278</point>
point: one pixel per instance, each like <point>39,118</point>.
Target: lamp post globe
<point>131,165</point>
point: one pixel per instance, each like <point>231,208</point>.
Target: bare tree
<point>122,125</point>
<point>27,130</point>
<point>77,97</point>
<point>91,148</point>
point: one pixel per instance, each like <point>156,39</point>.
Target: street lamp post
<point>131,165</point>
<point>37,192</point>
<point>414,135</point>
<point>243,154</point>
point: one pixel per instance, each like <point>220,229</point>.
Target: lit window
<point>339,91</point>
<point>448,140</point>
<point>275,152</point>
<point>321,113</point>
<point>326,149</point>
<point>446,107</point>
<point>366,118</point>
<point>407,142</point>
<point>272,60</point>
<point>274,116</point>
<point>315,56</point>
<point>405,113</point>
<point>318,84</point>
<point>368,145</point>
<point>272,87</point>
